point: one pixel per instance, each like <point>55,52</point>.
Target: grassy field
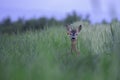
<point>45,55</point>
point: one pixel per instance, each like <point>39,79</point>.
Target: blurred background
<point>55,12</point>
<point>97,10</point>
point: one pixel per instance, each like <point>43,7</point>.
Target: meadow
<point>45,55</point>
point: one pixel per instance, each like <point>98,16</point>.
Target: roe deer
<point>73,33</point>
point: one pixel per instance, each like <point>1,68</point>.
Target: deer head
<point>73,33</point>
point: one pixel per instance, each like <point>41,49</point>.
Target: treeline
<point>21,25</point>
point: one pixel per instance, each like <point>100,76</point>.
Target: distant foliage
<point>70,18</point>
<point>21,25</point>
<point>6,21</point>
<point>104,22</point>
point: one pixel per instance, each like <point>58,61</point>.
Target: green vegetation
<point>14,27</point>
<point>45,55</point>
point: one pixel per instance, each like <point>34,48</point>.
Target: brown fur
<point>73,41</point>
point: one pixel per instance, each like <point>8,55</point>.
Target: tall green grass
<point>45,55</point>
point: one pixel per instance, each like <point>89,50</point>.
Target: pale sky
<point>58,8</point>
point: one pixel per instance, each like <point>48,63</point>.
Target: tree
<point>72,18</point>
<point>87,18</point>
<point>30,25</point>
<point>42,22</point>
<point>7,21</point>
<point>18,25</point>
<point>104,22</point>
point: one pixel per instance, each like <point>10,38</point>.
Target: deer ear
<point>68,28</point>
<point>79,28</point>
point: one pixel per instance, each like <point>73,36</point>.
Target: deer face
<point>73,33</point>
